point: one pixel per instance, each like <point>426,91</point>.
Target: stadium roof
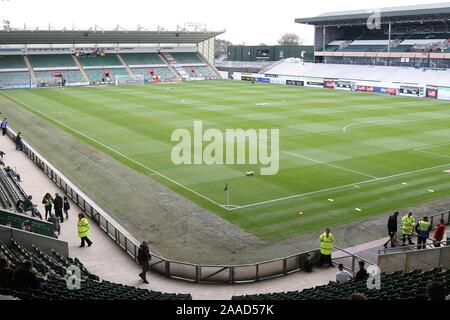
<point>98,37</point>
<point>391,12</point>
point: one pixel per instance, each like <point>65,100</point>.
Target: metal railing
<point>349,260</point>
<point>174,269</point>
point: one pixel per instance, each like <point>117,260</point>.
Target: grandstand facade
<point>53,58</point>
<point>411,36</point>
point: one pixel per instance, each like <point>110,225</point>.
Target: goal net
<point>122,79</point>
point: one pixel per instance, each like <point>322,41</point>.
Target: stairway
<point>34,79</point>
<point>77,62</point>
<point>173,64</point>
<point>125,64</point>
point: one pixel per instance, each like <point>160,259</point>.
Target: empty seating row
<point>52,61</point>
<point>96,75</point>
<point>186,57</point>
<point>12,62</point>
<point>12,79</point>
<point>71,76</point>
<point>142,59</point>
<point>100,61</point>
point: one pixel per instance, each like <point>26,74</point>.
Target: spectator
<point>342,276</point>
<point>6,274</point>
<point>56,226</point>
<point>143,259</point>
<point>436,290</point>
<point>10,172</point>
<point>58,203</point>
<point>25,278</point>
<point>47,201</point>
<point>4,125</point>
<point>19,141</point>
<point>358,296</point>
<point>66,207</point>
<point>29,206</point>
<point>439,233</point>
<point>392,229</point>
<point>423,228</point>
<point>362,273</point>
<point>83,230</point>
<point>326,246</point>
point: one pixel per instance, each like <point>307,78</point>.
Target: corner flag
<point>226,187</point>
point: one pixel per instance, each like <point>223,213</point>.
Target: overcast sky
<point>245,21</point>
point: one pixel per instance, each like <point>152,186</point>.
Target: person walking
<point>19,141</point>
<point>47,201</point>
<point>83,230</point>
<point>58,203</point>
<point>144,258</point>
<point>392,230</point>
<point>66,206</point>
<point>408,222</point>
<point>439,233</point>
<point>326,246</point>
<point>423,229</point>
<point>4,126</point>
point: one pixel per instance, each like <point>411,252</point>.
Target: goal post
<point>127,79</point>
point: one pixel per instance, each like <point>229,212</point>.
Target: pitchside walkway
<point>106,260</point>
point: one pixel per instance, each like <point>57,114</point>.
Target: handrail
<point>412,247</point>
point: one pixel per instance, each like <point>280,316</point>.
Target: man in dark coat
<point>392,229</point>
<point>144,257</point>
<point>6,274</point>
<point>58,204</point>
<point>25,279</point>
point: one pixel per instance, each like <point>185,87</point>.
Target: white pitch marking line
<point>321,162</point>
<point>432,146</point>
<point>339,187</point>
<point>121,154</point>
<point>433,153</point>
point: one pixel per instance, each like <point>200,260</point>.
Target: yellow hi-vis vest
<point>423,225</point>
<point>408,225</point>
<point>83,228</point>
<point>326,243</point>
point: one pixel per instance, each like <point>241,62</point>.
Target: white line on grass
<point>338,187</point>
<point>421,149</point>
<point>121,154</point>
<point>433,153</point>
<point>320,162</point>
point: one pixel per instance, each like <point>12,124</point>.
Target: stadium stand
<point>12,62</point>
<point>394,286</point>
<point>186,58</point>
<point>52,269</point>
<point>96,75</point>
<point>51,61</point>
<point>142,59</point>
<point>71,76</point>
<point>100,61</point>
<point>164,73</point>
<point>375,73</point>
<point>12,79</point>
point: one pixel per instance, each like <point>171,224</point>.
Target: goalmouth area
<point>346,161</point>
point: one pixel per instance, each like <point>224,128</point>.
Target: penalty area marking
<point>118,153</point>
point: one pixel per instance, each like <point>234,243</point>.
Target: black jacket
<point>143,254</point>
<point>24,279</point>
<point>6,278</point>
<point>58,202</point>
<point>392,224</point>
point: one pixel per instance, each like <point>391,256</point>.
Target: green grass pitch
<point>339,151</point>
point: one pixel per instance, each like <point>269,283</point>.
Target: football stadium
<point>287,172</point>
